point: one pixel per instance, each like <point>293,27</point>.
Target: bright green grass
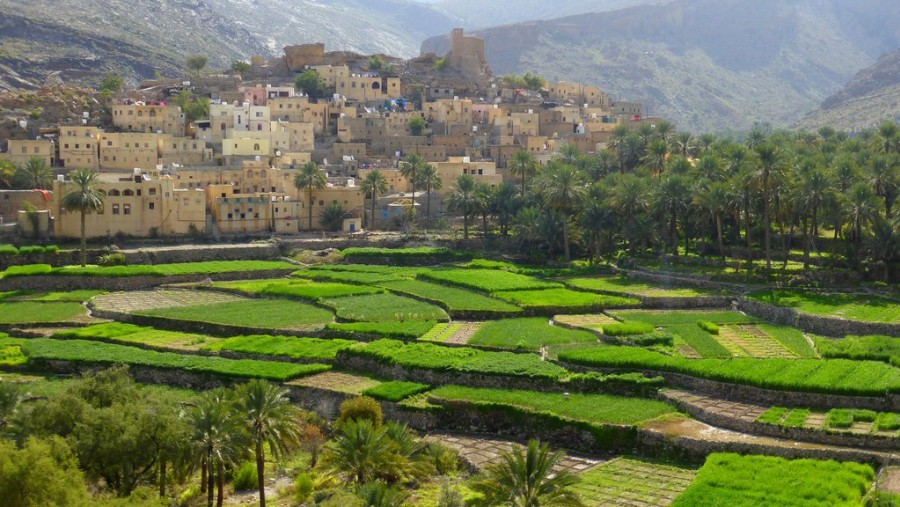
<point>452,298</point>
<point>410,329</point>
<point>298,288</point>
<point>37,385</point>
<point>186,268</point>
<point>100,352</point>
<point>76,296</point>
<point>834,376</point>
<point>791,338</point>
<point>384,307</point>
<point>644,481</point>
<point>462,359</point>
<point>682,317</point>
<point>404,253</point>
<point>704,343</point>
<point>487,280</point>
<point>865,308</point>
<point>136,334</point>
<point>441,332</point>
<point>594,408</point>
<point>395,390</point>
<point>564,298</point>
<point>874,347</point>
<point>527,334</point>
<point>781,416</point>
<point>288,346</point>
<point>11,350</point>
<point>404,271</point>
<point>357,277</point>
<point>764,481</point>
<point>33,312</point>
<point>625,285</point>
<point>268,314</point>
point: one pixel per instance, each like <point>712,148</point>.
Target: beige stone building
<point>128,151</point>
<point>19,152</point>
<point>368,88</point>
<point>79,147</point>
<point>157,118</point>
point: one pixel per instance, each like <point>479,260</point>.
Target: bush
<point>361,407</point>
<point>303,487</point>
<point>708,326</point>
<point>112,259</point>
<point>8,250</point>
<point>51,249</point>
<point>244,477</point>
<point>627,329</point>
<point>31,249</point>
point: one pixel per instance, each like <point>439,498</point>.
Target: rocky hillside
<point>72,39</point>
<point>706,64</point>
<point>870,97</point>
<point>480,14</point>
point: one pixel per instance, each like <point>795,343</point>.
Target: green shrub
<point>51,249</point>
<point>30,249</point>
<point>244,477</point>
<point>708,326</point>
<point>303,487</point>
<point>112,259</point>
<point>627,329</point>
<point>360,408</point>
<point>7,249</point>
<point>395,390</point>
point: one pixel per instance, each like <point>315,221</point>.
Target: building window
<point>230,216</point>
<point>243,216</point>
<point>127,209</point>
<point>152,205</point>
<point>152,191</point>
<point>115,209</point>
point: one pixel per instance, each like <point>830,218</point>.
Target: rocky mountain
<point>479,14</point>
<point>872,96</point>
<point>706,64</point>
<point>74,39</point>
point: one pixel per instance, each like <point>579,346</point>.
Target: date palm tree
<point>271,421</point>
<point>430,181</point>
<point>310,178</point>
<point>359,451</point>
<point>218,437</point>
<point>523,164</point>
<point>769,161</point>
<point>464,200</point>
<point>84,198</point>
<point>34,174</point>
<point>373,184</point>
<point>715,200</point>
<point>563,189</point>
<point>526,479</point>
<point>409,168</point>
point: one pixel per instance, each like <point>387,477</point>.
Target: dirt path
<point>481,451</point>
<point>464,333</point>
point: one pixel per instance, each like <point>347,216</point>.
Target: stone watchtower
<point>467,54</point>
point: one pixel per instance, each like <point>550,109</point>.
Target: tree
<point>416,125</point>
<point>34,174</point>
<point>240,67</point>
<point>7,174</point>
<point>311,83</point>
<point>216,432</point>
<point>311,441</point>
<point>270,420</point>
<point>84,198</point>
<point>332,217</point>
<point>429,180</point>
<point>505,203</point>
<point>883,245</point>
<point>196,63</point>
<point>464,200</point>
<point>523,164</point>
<point>42,473</point>
<point>563,189</point>
<point>373,184</point>
<point>671,198</point>
<point>359,451</point>
<point>411,166</point>
<point>10,396</point>
<point>655,159</point>
<point>527,479</point>
<point>714,199</point>
<point>769,161</point>
<point>111,85</point>
<point>310,178</point>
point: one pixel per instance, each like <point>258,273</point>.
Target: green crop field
<point>384,307</point>
<point>836,376</point>
<point>288,346</point>
<point>462,359</point>
<point>35,312</point>
<point>625,285</point>
<point>186,268</point>
<point>395,390</point>
<point>452,298</point>
<point>864,308</point>
<point>875,348</point>
<point>99,352</point>
<point>527,334</point>
<point>487,280</point>
<point>297,289</point>
<point>269,314</point>
<point>763,481</point>
<point>594,408</point>
<point>564,298</point>
<point>137,334</point>
<point>409,329</point>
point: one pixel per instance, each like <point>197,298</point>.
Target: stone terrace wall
<point>825,326</point>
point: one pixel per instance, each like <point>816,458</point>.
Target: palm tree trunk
<point>565,219</point>
<point>767,223</point>
<point>806,241</point>
<point>428,206</point>
<point>261,472</point>
<point>523,183</point>
<point>162,477</point>
<point>310,206</point>
<point>372,225</point>
<point>673,232</point>
<point>83,241</point>
<point>719,235</point>
<point>465,226</point>
<point>203,467</point>
<point>211,480</point>
<point>220,498</point>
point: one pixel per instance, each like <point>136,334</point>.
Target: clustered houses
<point>233,171</point>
